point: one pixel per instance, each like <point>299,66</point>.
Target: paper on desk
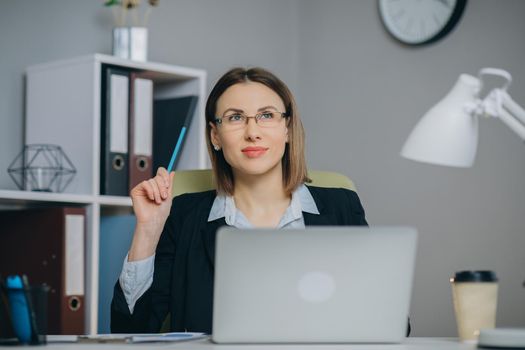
<point>166,337</point>
<point>126,338</point>
<point>59,338</point>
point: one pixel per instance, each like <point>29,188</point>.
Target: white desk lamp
<point>448,135</point>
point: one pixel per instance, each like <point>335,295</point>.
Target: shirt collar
<point>224,206</point>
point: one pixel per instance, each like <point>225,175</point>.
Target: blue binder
<point>116,233</point>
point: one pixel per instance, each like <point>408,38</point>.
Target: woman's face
<point>250,149</point>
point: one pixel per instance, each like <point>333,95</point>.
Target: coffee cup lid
<point>475,276</point>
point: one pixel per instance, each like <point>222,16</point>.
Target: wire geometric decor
<point>43,168</point>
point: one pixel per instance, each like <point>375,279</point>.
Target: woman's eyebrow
<point>237,110</point>
<point>265,108</point>
<point>233,110</point>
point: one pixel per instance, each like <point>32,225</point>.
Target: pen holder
<point>28,313</point>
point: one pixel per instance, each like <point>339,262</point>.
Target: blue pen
<point>177,148</point>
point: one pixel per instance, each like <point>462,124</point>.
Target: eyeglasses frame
<point>257,117</point>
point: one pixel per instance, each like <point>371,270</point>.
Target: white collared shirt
<point>302,200</point>
<point>137,276</point>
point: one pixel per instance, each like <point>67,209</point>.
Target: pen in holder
<point>28,309</point>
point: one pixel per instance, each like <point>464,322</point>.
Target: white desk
<point>204,344</point>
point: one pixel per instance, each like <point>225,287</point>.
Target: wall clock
<point>419,22</point>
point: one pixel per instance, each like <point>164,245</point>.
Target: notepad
<point>126,338</point>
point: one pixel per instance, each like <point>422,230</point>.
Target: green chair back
<point>188,181</point>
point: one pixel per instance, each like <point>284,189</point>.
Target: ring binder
<point>140,129</point>
<point>114,132</point>
<point>59,260</point>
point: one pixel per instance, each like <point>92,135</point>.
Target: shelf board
<point>27,197</point>
<point>157,71</point>
<point>30,197</point>
<point>115,201</point>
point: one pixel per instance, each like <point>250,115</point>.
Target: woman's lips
<point>254,152</point>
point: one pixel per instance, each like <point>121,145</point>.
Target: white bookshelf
<point>25,197</point>
<point>63,107</point>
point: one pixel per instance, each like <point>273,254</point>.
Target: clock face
<point>417,22</point>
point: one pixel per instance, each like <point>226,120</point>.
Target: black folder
<point>169,116</point>
<point>114,154</point>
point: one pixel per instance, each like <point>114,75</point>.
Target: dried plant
<point>121,9</point>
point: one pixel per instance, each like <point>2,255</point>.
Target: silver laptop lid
<point>320,284</point>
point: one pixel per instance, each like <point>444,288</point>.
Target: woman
<point>256,145</point>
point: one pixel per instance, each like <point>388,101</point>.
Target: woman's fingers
<point>162,186</point>
<point>146,187</point>
<point>156,191</point>
<point>170,182</point>
<point>163,173</point>
<point>158,188</point>
<point>163,181</point>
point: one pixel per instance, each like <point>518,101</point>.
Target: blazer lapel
<point>323,218</point>
<point>208,234</point>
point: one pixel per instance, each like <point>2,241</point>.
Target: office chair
<point>188,181</point>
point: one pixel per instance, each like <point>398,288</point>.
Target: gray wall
<point>360,93</point>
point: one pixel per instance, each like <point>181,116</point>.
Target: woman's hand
<point>151,204</point>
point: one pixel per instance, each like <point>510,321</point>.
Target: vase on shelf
<point>131,43</point>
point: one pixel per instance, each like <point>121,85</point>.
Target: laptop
<point>345,284</point>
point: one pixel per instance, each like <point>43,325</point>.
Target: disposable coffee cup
<point>475,296</point>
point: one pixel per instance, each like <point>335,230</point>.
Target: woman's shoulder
<point>336,197</point>
<point>188,201</point>
<point>331,192</point>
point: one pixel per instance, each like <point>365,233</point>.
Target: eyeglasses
<point>239,120</point>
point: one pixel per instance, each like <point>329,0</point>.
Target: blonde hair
<point>293,161</point>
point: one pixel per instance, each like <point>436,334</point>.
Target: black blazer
<point>183,277</point>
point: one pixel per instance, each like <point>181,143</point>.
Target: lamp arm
<point>512,114</point>
<point>513,107</point>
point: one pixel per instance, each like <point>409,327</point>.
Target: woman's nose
<point>251,129</point>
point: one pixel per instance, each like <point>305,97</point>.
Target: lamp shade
<point>448,133</point>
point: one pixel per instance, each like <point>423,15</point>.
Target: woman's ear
<point>213,135</point>
<point>286,133</point>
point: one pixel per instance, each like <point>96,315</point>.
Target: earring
<point>216,147</point>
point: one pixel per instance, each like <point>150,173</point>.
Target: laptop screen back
<point>320,284</point>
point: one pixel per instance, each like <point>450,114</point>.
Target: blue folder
<point>116,233</point>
